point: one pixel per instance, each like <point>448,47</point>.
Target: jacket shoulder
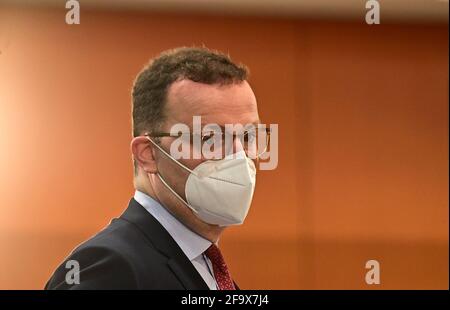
<point>112,259</point>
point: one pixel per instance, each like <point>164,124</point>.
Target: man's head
<point>174,87</point>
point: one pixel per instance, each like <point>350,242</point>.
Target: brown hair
<point>197,64</point>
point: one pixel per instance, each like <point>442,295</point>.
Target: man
<point>168,236</point>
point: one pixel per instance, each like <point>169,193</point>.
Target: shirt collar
<point>190,243</point>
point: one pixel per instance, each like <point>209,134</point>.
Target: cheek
<point>191,163</point>
<point>181,175</point>
<point>173,174</point>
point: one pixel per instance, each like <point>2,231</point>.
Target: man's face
<point>216,104</point>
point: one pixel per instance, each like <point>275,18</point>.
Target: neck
<point>179,210</point>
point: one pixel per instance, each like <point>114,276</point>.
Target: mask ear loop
<point>173,159</point>
<point>164,181</point>
<point>175,193</point>
<point>186,168</point>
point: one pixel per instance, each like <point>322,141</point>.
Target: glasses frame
<point>158,134</point>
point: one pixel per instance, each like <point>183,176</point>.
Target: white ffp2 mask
<point>219,192</point>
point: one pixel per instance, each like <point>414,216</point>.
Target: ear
<point>143,154</point>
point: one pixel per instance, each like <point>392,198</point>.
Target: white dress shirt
<point>192,244</point>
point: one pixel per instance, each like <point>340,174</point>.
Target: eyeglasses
<point>215,144</point>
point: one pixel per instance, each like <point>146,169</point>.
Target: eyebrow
<point>223,127</point>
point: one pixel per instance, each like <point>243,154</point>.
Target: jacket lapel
<point>162,241</point>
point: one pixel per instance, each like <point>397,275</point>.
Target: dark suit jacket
<point>133,252</point>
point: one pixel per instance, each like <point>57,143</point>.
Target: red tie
<point>221,272</point>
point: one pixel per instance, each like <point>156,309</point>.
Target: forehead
<point>218,104</point>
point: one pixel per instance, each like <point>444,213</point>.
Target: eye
<point>208,138</point>
<point>249,136</point>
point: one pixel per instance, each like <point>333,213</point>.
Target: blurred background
<point>363,133</point>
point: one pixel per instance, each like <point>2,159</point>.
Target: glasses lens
<point>212,145</point>
<point>255,142</point>
<point>217,145</point>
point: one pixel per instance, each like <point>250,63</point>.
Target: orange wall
<point>363,147</point>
